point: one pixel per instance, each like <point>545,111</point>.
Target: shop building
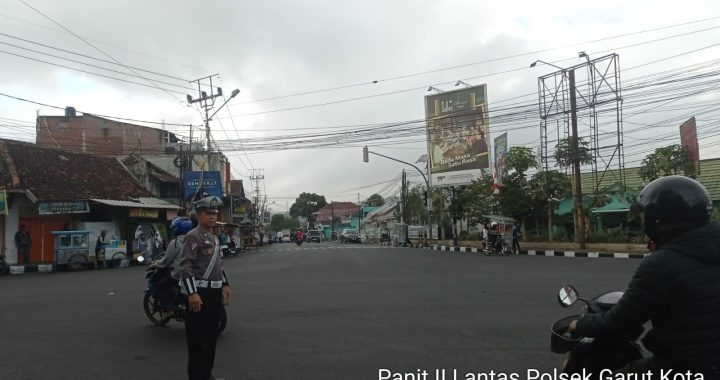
<point>49,189</point>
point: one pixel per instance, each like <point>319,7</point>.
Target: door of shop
<point>41,241</point>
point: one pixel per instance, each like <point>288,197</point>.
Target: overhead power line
<point>100,115</point>
<point>81,55</point>
<point>409,75</point>
<point>98,49</point>
<point>347,100</point>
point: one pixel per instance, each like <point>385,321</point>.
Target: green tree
<point>667,160</point>
<point>515,199</point>
<point>280,222</point>
<point>475,200</point>
<point>547,188</point>
<point>565,154</point>
<point>375,200</point>
<point>519,159</point>
<point>416,208</point>
<point>306,204</point>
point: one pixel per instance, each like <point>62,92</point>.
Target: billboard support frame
<point>599,92</point>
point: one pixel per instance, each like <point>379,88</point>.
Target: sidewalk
<point>588,253</point>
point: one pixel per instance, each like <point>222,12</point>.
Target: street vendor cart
<point>113,255</point>
<point>232,234</point>
<point>71,249</point>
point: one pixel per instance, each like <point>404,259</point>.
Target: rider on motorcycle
<point>494,238</point>
<point>299,235</point>
<point>169,273</point>
<point>677,287</point>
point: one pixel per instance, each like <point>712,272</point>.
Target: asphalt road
<point>319,311</point>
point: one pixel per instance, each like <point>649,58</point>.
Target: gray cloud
<point>275,48</point>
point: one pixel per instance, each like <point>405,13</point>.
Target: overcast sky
<point>276,48</point>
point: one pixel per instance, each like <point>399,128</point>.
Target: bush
<point>473,236</point>
<point>614,235</point>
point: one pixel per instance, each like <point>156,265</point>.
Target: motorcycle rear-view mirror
<point>568,295</point>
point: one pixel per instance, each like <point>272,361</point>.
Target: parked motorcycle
<point>499,247</point>
<point>154,309</point>
<point>592,354</point>
<point>229,249</point>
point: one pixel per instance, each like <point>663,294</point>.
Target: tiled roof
<point>382,212</point>
<point>338,209</point>
<point>58,175</point>
<point>154,203</point>
<point>709,177</point>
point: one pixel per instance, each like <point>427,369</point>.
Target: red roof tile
<point>58,175</point>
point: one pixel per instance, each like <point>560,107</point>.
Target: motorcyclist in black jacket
<point>677,287</point>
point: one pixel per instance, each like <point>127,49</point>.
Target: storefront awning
<point>139,203</point>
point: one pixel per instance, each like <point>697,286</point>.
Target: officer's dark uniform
<point>201,328</point>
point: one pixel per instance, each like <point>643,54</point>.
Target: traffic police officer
<point>204,280</point>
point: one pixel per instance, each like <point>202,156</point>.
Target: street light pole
<point>366,158</point>
<point>204,98</point>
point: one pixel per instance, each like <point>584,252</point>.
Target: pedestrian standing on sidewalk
<point>486,234</point>
<point>22,241</point>
<point>208,289</point>
<point>515,240</point>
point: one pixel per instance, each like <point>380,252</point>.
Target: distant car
<point>313,235</point>
<point>349,236</point>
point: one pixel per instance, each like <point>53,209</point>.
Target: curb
<point>592,255</point>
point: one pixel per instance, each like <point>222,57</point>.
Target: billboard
<point>689,141</point>
<point>500,150</point>
<point>202,184</point>
<point>457,135</point>
<point>52,208</point>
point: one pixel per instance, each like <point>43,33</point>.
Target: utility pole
<point>402,198</point>
<point>580,236</point>
<point>360,214</point>
<point>454,219</point>
<point>207,102</point>
<point>257,176</point>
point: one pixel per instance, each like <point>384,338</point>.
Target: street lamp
<point>547,63</point>
<point>366,158</point>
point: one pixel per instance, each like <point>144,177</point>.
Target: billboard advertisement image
<point>457,136</point>
<point>501,149</point>
<point>202,184</point>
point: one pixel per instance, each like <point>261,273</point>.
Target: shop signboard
<point>146,213</point>
<point>54,208</point>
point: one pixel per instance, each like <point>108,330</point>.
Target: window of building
<point>169,190</point>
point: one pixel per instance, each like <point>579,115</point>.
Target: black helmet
<point>672,205</point>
